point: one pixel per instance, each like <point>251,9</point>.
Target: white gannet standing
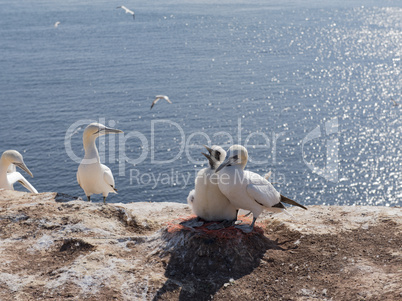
<point>157,97</point>
<point>248,190</point>
<point>92,176</point>
<point>9,174</point>
<point>128,11</point>
<point>206,200</point>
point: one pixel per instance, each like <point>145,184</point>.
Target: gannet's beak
<point>210,160</point>
<point>228,161</point>
<point>106,130</point>
<point>112,131</point>
<point>208,149</point>
<point>24,168</point>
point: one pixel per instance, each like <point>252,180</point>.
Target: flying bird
<point>158,97</point>
<point>128,11</point>
<point>57,24</point>
<point>92,176</point>
<point>206,200</point>
<point>248,190</point>
<point>9,174</point>
<point>395,103</point>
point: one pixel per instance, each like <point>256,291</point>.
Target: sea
<point>307,86</point>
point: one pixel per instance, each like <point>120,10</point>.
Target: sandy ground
<point>53,247</point>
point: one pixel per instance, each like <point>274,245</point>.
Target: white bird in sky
<point>128,11</point>
<point>157,97</point>
<point>92,176</point>
<point>248,190</point>
<point>8,173</point>
<point>206,200</point>
<point>394,102</point>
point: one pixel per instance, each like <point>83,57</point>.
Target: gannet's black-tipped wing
<point>154,102</point>
<point>157,97</point>
<point>261,190</point>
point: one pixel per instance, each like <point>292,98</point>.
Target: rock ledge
<point>53,246</point>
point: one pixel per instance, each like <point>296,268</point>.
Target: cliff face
<point>55,247</point>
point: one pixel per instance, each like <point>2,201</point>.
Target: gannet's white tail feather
<point>14,177</point>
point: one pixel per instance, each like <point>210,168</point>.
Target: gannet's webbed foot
<point>192,223</point>
<point>236,221</point>
<point>239,221</point>
<point>89,198</point>
<point>245,228</point>
<point>227,224</point>
<point>104,200</point>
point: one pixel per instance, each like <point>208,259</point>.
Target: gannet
<point>206,200</point>
<point>190,197</point>
<point>248,190</point>
<point>92,176</point>
<point>57,24</point>
<point>8,173</point>
<point>157,97</point>
<point>127,11</point>
<point>394,102</point>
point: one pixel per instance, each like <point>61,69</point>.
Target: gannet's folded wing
<point>108,177</point>
<point>264,194</point>
<point>78,178</point>
<point>14,177</point>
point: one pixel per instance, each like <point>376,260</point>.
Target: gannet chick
<point>248,190</point>
<point>157,97</point>
<point>92,176</point>
<point>190,197</point>
<point>8,173</point>
<point>206,200</point>
<point>127,11</point>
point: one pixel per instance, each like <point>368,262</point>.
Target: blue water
<point>307,85</point>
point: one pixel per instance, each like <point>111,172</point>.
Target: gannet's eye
<point>218,153</point>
